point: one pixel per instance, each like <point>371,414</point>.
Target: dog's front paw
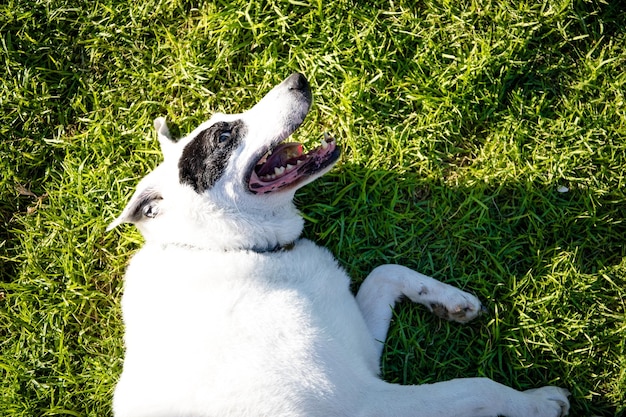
<point>461,307</point>
<point>550,401</point>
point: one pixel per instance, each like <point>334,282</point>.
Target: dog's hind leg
<point>470,397</point>
<point>386,284</point>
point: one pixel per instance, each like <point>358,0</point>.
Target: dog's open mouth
<point>287,165</point>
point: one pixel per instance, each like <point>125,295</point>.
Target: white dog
<point>228,312</point>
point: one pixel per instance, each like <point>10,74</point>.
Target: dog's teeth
<point>279,171</point>
<point>324,144</point>
<point>289,167</point>
<point>300,162</point>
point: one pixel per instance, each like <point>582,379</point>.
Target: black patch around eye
<point>204,159</point>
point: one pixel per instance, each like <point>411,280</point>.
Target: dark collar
<point>273,249</point>
<point>278,248</point>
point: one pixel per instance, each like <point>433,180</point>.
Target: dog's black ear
<point>144,204</point>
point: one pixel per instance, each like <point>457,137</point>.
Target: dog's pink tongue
<point>282,155</point>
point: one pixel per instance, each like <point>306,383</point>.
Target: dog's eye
<point>224,136</point>
<point>150,210</point>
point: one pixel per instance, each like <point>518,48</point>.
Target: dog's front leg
<point>388,283</point>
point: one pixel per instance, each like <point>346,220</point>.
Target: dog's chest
<point>220,327</point>
<point>231,304</point>
<point>231,281</point>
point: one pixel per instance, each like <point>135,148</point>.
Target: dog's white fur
<point>214,328</point>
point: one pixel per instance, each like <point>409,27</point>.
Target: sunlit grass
<point>461,125</point>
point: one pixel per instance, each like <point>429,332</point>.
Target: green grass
<point>459,121</point>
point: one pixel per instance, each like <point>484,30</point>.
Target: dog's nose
<point>297,81</point>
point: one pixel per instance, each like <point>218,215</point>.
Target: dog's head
<point>230,182</point>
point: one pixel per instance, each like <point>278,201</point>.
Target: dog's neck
<point>230,230</point>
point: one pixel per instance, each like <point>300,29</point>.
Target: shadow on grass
<point>550,266</point>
